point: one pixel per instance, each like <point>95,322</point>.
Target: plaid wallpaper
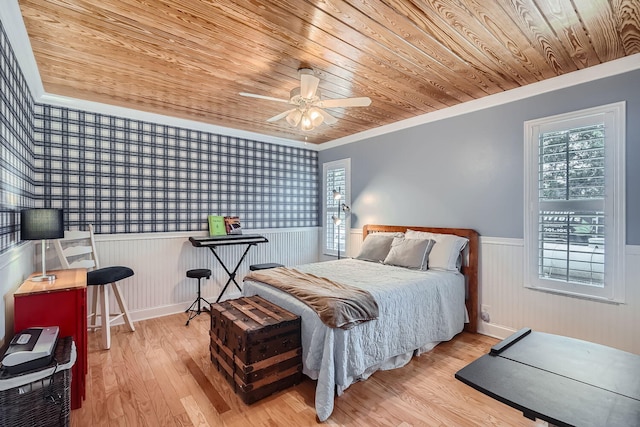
<point>16,142</point>
<point>129,176</point>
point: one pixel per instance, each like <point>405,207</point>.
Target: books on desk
<point>216,226</point>
<point>223,225</point>
<point>232,225</point>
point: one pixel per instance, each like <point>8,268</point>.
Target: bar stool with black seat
<point>78,250</point>
<point>198,273</point>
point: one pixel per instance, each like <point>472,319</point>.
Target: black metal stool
<point>198,273</point>
<point>266,266</point>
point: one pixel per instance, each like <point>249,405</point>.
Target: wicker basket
<point>40,402</point>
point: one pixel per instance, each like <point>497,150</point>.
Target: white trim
<point>613,116</point>
<point>632,250</point>
<point>608,69</point>
<point>113,110</point>
<point>168,310</point>
<point>14,25</point>
<point>502,241</point>
<point>496,331</point>
<point>15,253</point>
<point>11,18</point>
<point>346,226</point>
<point>186,234</point>
<point>510,241</point>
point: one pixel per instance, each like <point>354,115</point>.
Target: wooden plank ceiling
<point>190,59</point>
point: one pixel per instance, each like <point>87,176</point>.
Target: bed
<point>418,309</point>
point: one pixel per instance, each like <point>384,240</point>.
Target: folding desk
<point>213,242</point>
<point>564,381</point>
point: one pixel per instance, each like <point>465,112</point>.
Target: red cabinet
<point>61,303</point>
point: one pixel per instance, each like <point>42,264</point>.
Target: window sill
<point>575,295</point>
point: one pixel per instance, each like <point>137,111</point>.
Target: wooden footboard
<point>469,264</point>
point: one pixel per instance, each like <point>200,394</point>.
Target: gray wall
<point>467,171</point>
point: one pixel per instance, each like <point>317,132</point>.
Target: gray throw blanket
<point>338,305</point>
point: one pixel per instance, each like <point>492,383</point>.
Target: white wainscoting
<point>160,261</point>
<point>512,306</point>
<point>160,286</point>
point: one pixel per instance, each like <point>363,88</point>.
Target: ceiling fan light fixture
<point>316,116</point>
<point>306,123</point>
<point>293,118</point>
<point>308,106</point>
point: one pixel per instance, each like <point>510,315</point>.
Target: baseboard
<point>167,310</point>
<point>491,330</point>
<point>495,331</point>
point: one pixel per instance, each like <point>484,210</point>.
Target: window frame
<point>613,116</point>
<point>327,223</point>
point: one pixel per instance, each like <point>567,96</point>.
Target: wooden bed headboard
<point>469,265</point>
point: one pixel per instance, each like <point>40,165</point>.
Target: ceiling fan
<point>308,111</point>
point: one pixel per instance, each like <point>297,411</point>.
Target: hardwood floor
<point>162,375</point>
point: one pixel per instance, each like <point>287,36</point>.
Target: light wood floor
<point>162,375</point>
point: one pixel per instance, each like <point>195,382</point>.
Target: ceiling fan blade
<point>280,116</point>
<point>328,118</point>
<point>363,101</point>
<point>268,98</point>
<point>308,83</point>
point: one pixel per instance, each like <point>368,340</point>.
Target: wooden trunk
<point>256,346</point>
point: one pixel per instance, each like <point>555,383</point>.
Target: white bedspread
<point>418,309</point>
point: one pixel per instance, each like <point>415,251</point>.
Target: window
<point>574,205</point>
<point>336,177</point>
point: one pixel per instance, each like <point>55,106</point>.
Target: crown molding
<point>607,69</point>
<point>112,110</point>
<point>13,24</point>
<point>11,18</point>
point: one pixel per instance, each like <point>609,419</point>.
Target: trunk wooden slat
<point>256,345</point>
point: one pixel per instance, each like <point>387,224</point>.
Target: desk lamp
<point>42,224</point>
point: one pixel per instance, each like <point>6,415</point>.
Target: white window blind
<point>571,216</point>
<point>336,177</point>
<point>574,218</point>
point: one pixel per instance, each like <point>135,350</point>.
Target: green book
<point>217,226</point>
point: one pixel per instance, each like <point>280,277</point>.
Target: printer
<point>30,349</point>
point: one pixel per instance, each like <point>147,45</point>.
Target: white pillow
<point>409,253</point>
<point>376,246</point>
<point>446,251</point>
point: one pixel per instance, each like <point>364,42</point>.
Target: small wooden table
<point>256,345</point>
<point>564,381</point>
<point>61,303</point>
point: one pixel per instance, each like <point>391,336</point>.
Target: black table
<point>213,242</point>
<point>564,381</point>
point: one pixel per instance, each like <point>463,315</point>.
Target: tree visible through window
<point>574,216</point>
<point>572,188</point>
